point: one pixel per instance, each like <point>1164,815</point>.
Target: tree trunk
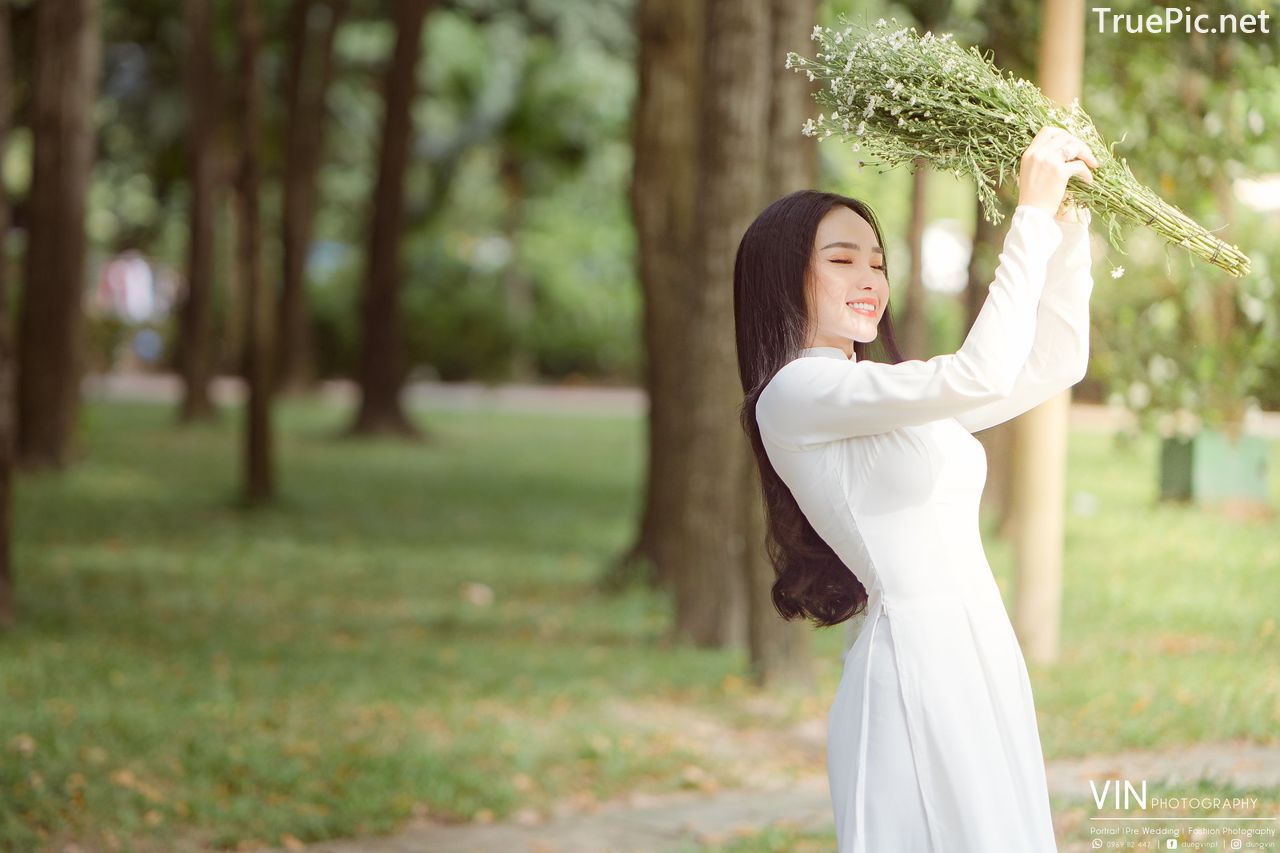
<point>382,360</point>
<point>987,240</point>
<point>517,285</point>
<point>663,196</point>
<point>1038,487</point>
<point>711,540</point>
<point>6,345</point>
<point>792,159</point>
<point>64,85</point>
<point>259,480</point>
<point>196,317</point>
<point>915,327</point>
<point>780,651</point>
<point>312,24</point>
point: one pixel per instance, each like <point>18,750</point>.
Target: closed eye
<point>838,261</point>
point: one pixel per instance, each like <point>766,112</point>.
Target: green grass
<point>187,673</point>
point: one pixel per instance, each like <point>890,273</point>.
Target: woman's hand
<point>1051,158</point>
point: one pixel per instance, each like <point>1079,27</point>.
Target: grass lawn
<point>413,631</point>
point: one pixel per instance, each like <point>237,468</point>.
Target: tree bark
<point>312,24</point>
<point>792,160</point>
<point>663,196</point>
<point>6,344</point>
<point>711,541</point>
<point>64,85</point>
<point>1038,487</point>
<point>382,360</point>
<point>196,359</point>
<point>517,285</point>
<point>779,651</point>
<point>915,337</point>
<point>259,478</point>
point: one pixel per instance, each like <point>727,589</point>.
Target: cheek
<point>831,291</point>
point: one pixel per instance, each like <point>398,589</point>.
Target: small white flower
<point>811,77</point>
<point>862,128</point>
<point>902,122</point>
<point>881,22</point>
<point>1117,272</point>
<point>817,32</point>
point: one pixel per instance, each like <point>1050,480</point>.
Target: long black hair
<point>771,320</point>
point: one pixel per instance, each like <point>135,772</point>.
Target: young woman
<point>871,482</point>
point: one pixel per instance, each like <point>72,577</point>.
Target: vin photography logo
<point>1159,822</point>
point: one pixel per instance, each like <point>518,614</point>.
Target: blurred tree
<point>778,650</point>
<point>203,120</point>
<point>65,81</point>
<point>382,363</point>
<point>311,28</point>
<point>1009,29</point>
<point>6,344</point>
<point>709,79</point>
<point>732,156</point>
<point>664,204</point>
<point>259,476</point>
<point>914,341</point>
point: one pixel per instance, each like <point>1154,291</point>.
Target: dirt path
<point>783,769</point>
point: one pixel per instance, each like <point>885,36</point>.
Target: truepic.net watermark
<point>1184,20</point>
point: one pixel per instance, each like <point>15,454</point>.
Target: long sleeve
<point>1060,355</point>
<point>813,400</point>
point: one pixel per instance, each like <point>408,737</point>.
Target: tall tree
<point>259,478</point>
<point>312,24</point>
<point>914,335</point>
<point>382,367</point>
<point>1038,486</point>
<point>710,539</point>
<point>663,194</point>
<point>6,345</point>
<point>196,359</point>
<point>778,650</point>
<point>1009,30</point>
<point>64,86</point>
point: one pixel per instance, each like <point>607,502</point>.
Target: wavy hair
<point>771,274</point>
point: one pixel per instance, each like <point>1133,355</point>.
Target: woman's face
<point>846,268</point>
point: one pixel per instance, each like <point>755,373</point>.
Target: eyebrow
<point>844,245</point>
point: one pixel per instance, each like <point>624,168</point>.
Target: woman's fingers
<point>1056,138</point>
<point>1077,149</point>
<point>1080,170</point>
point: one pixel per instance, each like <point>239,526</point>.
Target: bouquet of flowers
<point>904,96</point>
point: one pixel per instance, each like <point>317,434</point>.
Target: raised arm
<point>1060,355</point>
<point>813,400</point>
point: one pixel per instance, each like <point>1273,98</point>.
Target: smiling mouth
<point>863,311</point>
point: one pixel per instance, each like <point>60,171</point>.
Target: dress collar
<point>829,352</point>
